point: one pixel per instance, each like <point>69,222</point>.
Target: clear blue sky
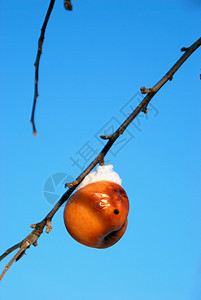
<point>94,61</point>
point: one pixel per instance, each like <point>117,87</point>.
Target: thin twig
<point>36,64</point>
<point>10,250</point>
<point>32,238</point>
<point>11,262</point>
<point>68,6</point>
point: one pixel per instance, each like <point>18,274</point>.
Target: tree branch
<point>68,6</point>
<point>37,61</point>
<point>10,250</point>
<point>12,261</point>
<point>32,238</point>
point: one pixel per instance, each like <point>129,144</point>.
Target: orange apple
<point>96,215</point>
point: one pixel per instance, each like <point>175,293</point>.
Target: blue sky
<point>94,61</point>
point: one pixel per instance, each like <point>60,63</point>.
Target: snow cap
<point>103,173</point>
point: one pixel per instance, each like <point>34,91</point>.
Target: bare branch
<point>36,64</point>
<point>177,65</point>
<point>11,262</point>
<point>32,238</point>
<point>10,250</point>
<point>68,6</point>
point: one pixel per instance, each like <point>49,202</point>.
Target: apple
<point>96,215</point>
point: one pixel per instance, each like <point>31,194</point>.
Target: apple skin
<point>96,215</point>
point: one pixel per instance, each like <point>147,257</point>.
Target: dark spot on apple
<point>122,193</point>
<point>116,211</point>
<point>110,236</point>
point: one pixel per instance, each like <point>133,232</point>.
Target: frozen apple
<point>96,214</point>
